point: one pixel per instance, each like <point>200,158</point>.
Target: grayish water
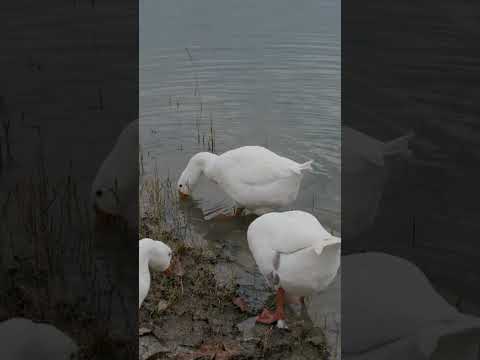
<point>268,74</point>
<point>264,73</point>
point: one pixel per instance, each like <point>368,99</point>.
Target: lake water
<point>264,73</point>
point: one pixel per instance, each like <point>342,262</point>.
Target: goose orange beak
<point>182,195</point>
<point>175,268</point>
<point>169,271</point>
<point>106,219</point>
<point>102,217</point>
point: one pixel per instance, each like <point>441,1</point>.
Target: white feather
<point>24,339</point>
<point>154,254</point>
<point>254,177</point>
<point>119,185</point>
<point>309,257</point>
<point>390,310</point>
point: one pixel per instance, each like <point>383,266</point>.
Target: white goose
<point>155,254</point>
<point>295,254</point>
<point>24,339</point>
<point>256,178</point>
<point>390,311</point>
<point>115,187</point>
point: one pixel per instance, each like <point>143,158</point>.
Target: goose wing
<point>288,232</point>
<point>254,165</point>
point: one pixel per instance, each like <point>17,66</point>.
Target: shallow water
<point>256,73</point>
<point>265,75</point>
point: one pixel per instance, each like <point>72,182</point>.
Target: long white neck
<point>204,161</point>
<point>199,164</point>
<point>153,254</point>
<point>144,260</point>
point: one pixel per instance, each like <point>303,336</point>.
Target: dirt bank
<point>194,316</point>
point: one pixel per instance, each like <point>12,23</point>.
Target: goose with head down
<point>391,311</point>
<point>25,339</point>
<point>295,254</point>
<point>151,254</point>
<point>115,187</point>
<point>256,178</point>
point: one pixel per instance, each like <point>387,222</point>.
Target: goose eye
<point>181,185</point>
<point>99,193</point>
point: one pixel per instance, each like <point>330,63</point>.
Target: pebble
<point>149,346</point>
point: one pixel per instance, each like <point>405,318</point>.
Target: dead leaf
<point>241,303</point>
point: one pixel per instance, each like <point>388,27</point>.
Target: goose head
<point>115,182</point>
<point>195,168</point>
<point>105,205</point>
<point>159,255</point>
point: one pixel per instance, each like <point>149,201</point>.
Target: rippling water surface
<point>260,73</point>
<point>257,72</point>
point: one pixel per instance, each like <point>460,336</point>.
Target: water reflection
<point>231,74</point>
<point>391,311</point>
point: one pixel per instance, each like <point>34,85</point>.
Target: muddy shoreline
<point>194,316</point>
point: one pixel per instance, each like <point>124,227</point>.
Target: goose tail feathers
<point>306,166</point>
<point>399,145</point>
<point>332,240</point>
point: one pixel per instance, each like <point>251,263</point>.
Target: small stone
<point>221,326</point>
<point>149,346</point>
<point>209,255</point>
<point>224,275</point>
<point>249,351</point>
<point>282,324</point>
<point>280,339</point>
<point>172,328</point>
<point>196,335</point>
<point>247,328</point>
<point>200,314</point>
<point>181,308</point>
<point>144,331</point>
<point>162,306</point>
<point>317,340</point>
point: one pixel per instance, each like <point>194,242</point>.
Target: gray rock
<point>247,328</point>
<point>144,331</point>
<point>195,337</point>
<point>149,346</point>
